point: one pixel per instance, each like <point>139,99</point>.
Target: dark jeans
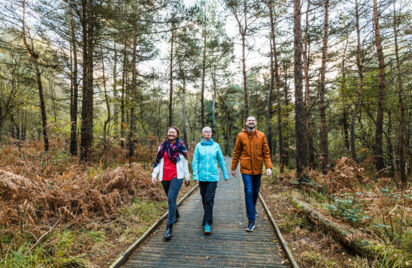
<point>172,189</point>
<point>252,187</point>
<point>207,191</point>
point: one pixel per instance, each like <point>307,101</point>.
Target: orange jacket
<point>251,148</point>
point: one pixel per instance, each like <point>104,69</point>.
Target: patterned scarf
<point>173,151</point>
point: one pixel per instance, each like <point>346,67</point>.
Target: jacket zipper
<point>207,162</point>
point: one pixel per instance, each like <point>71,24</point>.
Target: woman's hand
<point>154,180</point>
<point>187,183</point>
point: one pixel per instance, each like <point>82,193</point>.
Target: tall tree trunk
<point>399,86</point>
<point>270,93</point>
<point>308,105</point>
<point>285,125</point>
<point>380,165</point>
<point>245,94</point>
<point>107,121</point>
<point>35,58</point>
<point>133,96</point>
<point>242,31</point>
<point>86,141</point>
<point>123,97</point>
<point>184,113</point>
<point>202,93</point>
<point>74,92</point>
<point>343,92</point>
<point>115,91</point>
<point>322,94</point>
<point>214,82</point>
<point>183,76</point>
<point>359,64</point>
<point>171,78</point>
<point>300,129</point>
<point>275,81</point>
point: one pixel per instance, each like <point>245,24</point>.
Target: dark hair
<point>175,128</point>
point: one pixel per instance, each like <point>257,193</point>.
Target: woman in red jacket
<point>171,167</point>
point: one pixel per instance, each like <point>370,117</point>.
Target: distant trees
<point>118,73</point>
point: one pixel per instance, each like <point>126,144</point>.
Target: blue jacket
<point>204,163</point>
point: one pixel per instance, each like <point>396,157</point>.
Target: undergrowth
<point>57,212</point>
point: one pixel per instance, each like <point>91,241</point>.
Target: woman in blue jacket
<point>205,170</point>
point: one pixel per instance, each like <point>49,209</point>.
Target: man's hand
<point>187,183</point>
<point>269,172</point>
<point>234,173</point>
<point>154,180</point>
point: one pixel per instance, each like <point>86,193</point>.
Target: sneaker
<point>207,229</point>
<point>250,227</point>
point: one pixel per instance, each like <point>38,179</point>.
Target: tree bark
<point>275,80</point>
<point>35,58</point>
<point>399,86</point>
<point>322,94</point>
<point>171,78</point>
<point>308,118</point>
<point>86,141</point>
<point>242,31</point>
<point>74,92</point>
<point>363,247</point>
<point>115,91</point>
<point>343,92</point>
<point>133,96</point>
<point>123,96</point>
<point>285,125</point>
<point>359,64</point>
<point>300,129</point>
<point>380,165</point>
<point>202,93</point>
<point>107,121</point>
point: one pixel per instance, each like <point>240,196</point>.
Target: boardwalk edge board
<point>283,242</point>
<point>126,254</point>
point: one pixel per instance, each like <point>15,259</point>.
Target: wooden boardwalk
<point>228,245</point>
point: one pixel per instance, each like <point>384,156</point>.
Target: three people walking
<point>205,171</point>
<point>171,166</point>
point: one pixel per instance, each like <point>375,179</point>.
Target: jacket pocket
<point>246,163</point>
<point>259,162</point>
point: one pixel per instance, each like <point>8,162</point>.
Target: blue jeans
<point>252,187</point>
<point>172,189</point>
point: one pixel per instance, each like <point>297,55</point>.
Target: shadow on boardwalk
<point>228,245</point>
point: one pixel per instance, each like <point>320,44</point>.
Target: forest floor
<point>55,212</point>
<point>372,208</point>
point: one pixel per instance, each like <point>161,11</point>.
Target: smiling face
<point>251,122</point>
<point>207,133</point>
<point>172,134</point>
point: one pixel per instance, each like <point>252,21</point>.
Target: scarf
<point>203,142</point>
<point>172,150</point>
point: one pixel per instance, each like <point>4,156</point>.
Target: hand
<point>226,179</point>
<point>269,172</point>
<point>154,180</point>
<point>234,173</point>
<point>187,183</point>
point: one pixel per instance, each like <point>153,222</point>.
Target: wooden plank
<point>126,254</point>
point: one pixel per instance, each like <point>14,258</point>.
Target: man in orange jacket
<point>252,150</point>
